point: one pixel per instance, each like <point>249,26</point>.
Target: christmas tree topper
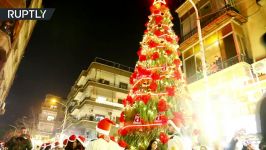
<point>159,1</point>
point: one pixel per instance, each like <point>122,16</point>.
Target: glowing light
<point>159,1</point>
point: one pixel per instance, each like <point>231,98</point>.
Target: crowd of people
<point>106,142</point>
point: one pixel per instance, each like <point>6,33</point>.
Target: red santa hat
<point>82,140</point>
<point>104,126</point>
<point>72,138</point>
<point>43,145</point>
<point>65,142</point>
<point>56,144</point>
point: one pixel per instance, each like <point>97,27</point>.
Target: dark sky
<point>61,48</point>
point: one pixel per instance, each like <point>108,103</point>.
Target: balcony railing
<point>113,64</point>
<point>219,66</point>
<point>208,19</point>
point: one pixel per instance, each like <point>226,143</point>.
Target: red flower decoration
<point>142,58</point>
<point>145,98</point>
<point>135,89</point>
<point>158,33</point>
<point>152,44</point>
<point>168,52</point>
<point>153,86</point>
<point>168,39</point>
<point>122,143</point>
<point>177,74</point>
<point>134,75</point>
<point>139,51</point>
<point>177,62</point>
<point>122,117</point>
<point>146,31</point>
<point>164,119</point>
<point>143,71</point>
<point>158,19</point>
<point>162,105</point>
<point>130,100</point>
<point>112,138</point>
<point>163,138</point>
<point>124,101</point>
<point>146,24</point>
<point>122,132</point>
<point>156,11</point>
<point>170,91</point>
<point>152,8</point>
<point>166,28</point>
<point>155,55</point>
<point>155,76</point>
<point>131,80</point>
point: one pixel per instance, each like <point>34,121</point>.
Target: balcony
<point>92,101</point>
<point>212,22</point>
<point>218,67</point>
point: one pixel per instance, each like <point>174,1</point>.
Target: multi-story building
<point>97,94</point>
<point>14,37</point>
<point>50,120</point>
<point>231,30</point>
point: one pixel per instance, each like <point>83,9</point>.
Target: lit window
<point>50,118</point>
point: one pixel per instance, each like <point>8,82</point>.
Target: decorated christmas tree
<point>158,91</point>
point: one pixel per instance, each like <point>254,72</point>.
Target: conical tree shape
<point>158,90</point>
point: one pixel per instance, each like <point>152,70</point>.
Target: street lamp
<point>207,106</point>
<point>202,51</point>
<point>65,115</point>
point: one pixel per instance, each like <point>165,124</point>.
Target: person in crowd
<point>104,141</point>
<point>71,142</point>
<point>75,143</point>
<point>65,143</point>
<point>21,142</point>
<point>80,143</point>
<point>177,141</point>
<point>153,145</point>
<point>48,146</point>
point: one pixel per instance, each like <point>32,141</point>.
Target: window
<point>120,101</point>
<point>123,85</point>
<point>188,24</point>
<point>229,46</point>
<point>190,67</point>
<point>50,118</point>
<point>104,81</point>
<point>205,10</point>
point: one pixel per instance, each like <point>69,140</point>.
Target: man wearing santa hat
<point>104,141</point>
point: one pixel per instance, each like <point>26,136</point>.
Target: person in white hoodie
<point>104,141</point>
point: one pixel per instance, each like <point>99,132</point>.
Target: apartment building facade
<point>50,120</point>
<point>14,37</point>
<point>230,47</point>
<point>97,93</point>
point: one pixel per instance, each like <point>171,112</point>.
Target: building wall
<point>50,118</point>
<point>17,42</point>
<point>97,94</point>
<point>255,27</point>
<point>232,91</point>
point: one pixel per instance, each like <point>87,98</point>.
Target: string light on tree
<point>158,89</point>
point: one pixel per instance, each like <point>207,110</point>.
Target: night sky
<point>61,48</point>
